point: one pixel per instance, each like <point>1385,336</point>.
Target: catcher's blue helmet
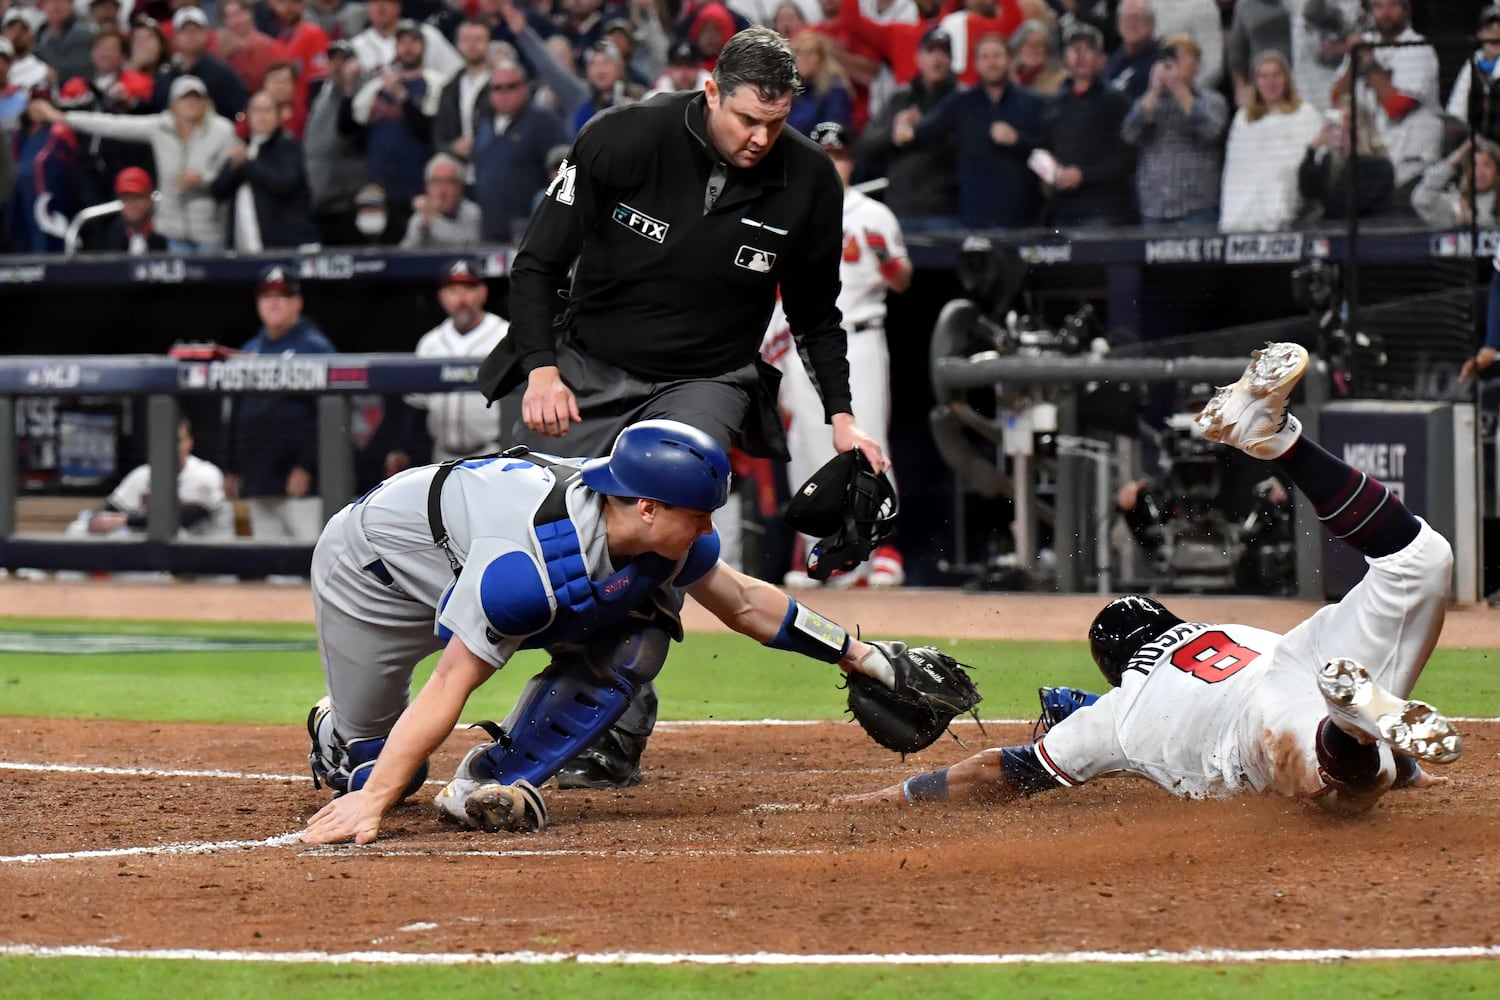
<point>663,460</point>
<point>1122,627</point>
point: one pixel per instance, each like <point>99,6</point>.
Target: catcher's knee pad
<point>345,766</point>
<point>571,703</point>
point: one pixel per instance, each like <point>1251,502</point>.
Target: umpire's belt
<point>868,325</point>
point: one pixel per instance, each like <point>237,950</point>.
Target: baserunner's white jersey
<point>1178,716</point>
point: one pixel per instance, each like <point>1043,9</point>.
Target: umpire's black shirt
<point>663,288</point>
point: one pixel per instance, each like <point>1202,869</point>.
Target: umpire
<point>644,284</point>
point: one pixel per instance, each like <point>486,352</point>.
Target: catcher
<point>1321,713</point>
<point>482,557</point>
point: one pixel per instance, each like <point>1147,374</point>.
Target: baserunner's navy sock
<point>1351,505</point>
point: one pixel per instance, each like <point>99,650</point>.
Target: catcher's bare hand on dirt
<point>356,815</point>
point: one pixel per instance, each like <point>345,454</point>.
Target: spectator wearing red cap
<point>265,186</point>
<point>457,424</point>
<point>189,143</point>
<point>133,230</point>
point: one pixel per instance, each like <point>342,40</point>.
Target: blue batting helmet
<point>663,460</point>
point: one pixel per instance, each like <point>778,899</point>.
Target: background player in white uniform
<point>873,263</point>
<point>527,552</point>
<point>461,423</point>
<point>202,508</point>
<point>1206,710</point>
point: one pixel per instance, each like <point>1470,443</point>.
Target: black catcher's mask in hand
<point>847,504</point>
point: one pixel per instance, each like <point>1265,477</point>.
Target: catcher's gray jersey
<point>385,595</point>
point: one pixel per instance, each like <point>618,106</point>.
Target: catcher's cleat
<point>493,807</point>
<point>1057,704</point>
<point>1251,414</point>
<point>1368,712</point>
<point>613,761</point>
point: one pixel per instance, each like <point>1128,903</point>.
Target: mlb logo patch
<point>755,259</point>
<point>641,224</point>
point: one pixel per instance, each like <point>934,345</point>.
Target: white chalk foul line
<point>209,847</point>
<point>1218,956</point>
<point>347,850</point>
<point>145,772</point>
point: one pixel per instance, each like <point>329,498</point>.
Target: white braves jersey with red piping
<point>1177,718</point>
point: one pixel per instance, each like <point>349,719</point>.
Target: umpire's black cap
<point>278,279</point>
<point>460,272</point>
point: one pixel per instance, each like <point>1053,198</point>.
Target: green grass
<point>710,676</point>
<point>707,677</point>
<point>149,980</point>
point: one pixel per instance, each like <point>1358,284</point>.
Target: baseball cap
<point>6,49</point>
<point>133,180</point>
<point>406,26</point>
<point>460,272</point>
<point>618,24</point>
<point>189,15</point>
<point>342,47</point>
<point>936,38</point>
<point>96,3</point>
<point>184,85</point>
<point>1082,32</point>
<point>370,196</point>
<point>683,54</point>
<point>278,279</point>
<point>832,136</point>
<point>13,16</point>
<point>1490,15</point>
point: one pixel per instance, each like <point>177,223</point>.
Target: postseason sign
<point>255,374</point>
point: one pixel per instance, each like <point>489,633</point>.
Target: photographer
<point>1208,522</point>
<point>1178,127</point>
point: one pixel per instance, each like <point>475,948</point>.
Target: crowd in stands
<point>252,125</point>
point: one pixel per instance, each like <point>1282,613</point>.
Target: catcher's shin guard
<point>345,766</point>
<point>567,707</point>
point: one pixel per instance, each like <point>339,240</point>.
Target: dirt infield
<point>725,848</point>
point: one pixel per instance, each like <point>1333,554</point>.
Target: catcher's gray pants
<point>370,636</point>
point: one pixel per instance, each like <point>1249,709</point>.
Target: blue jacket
<point>274,434</point>
<point>996,189</point>
<point>511,168</point>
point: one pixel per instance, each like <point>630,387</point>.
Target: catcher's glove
<point>931,688</point>
<point>1057,704</point>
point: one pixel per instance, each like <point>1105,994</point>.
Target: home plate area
<point>156,836</point>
